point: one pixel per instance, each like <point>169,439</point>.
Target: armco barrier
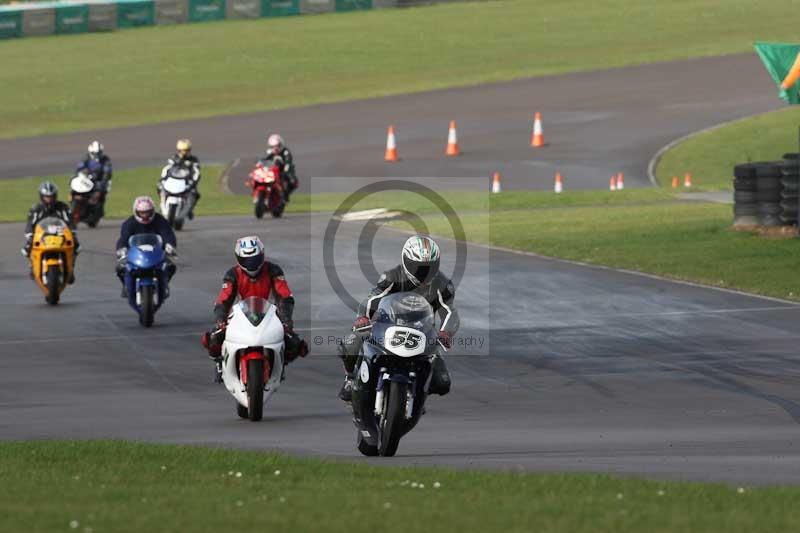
<point>102,17</point>
<point>279,8</point>
<point>133,13</point>
<point>205,10</point>
<point>171,11</point>
<point>10,23</point>
<point>76,16</point>
<point>242,9</point>
<point>353,5</point>
<point>72,18</point>
<point>37,22</point>
<point>316,6</point>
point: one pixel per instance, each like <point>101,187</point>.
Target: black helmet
<point>420,258</point>
<point>48,189</point>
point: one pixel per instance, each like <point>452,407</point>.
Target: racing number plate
<point>405,342</point>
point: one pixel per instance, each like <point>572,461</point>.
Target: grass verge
<point>194,70</point>
<point>711,156</point>
<point>117,486</point>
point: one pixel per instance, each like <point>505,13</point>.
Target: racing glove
<point>171,251</point>
<point>361,323</point>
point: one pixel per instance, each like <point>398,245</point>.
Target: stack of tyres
<point>790,178</point>
<point>745,203</point>
<point>768,193</point>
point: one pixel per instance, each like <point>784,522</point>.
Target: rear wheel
<point>52,280</point>
<point>255,389</point>
<point>391,426</point>
<point>260,208</point>
<point>146,310</point>
<point>241,410</point>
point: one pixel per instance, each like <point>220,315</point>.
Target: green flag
<point>779,59</point>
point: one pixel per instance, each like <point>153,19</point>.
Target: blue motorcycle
<point>146,279</point>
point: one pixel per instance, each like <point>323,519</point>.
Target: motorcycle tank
<point>145,250</point>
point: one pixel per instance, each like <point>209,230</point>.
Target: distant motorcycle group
<point>393,355</point>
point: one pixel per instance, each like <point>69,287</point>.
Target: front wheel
<point>391,424</point>
<point>53,280</point>
<point>146,310</point>
<point>255,389</point>
<point>171,210</point>
<point>259,207</point>
<point>179,225</point>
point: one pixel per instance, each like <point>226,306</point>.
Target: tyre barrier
<point>767,193</point>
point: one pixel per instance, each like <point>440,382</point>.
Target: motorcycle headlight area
<point>404,342</point>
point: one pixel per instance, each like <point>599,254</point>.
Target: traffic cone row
<point>687,180</point>
<point>617,182</point>
<point>452,149</point>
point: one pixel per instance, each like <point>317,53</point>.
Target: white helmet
<point>420,258</point>
<point>144,209</point>
<point>275,143</point>
<point>95,149</point>
<point>250,254</point>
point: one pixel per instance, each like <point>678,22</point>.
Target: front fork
<point>384,380</point>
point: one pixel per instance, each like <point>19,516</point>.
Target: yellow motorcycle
<point>52,257</point>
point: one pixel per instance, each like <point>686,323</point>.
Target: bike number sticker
<point>405,342</point>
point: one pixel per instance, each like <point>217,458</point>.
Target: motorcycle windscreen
<point>52,226</point>
<point>255,309</point>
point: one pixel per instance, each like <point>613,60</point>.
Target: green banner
<point>779,59</point>
<point>353,5</point>
<point>72,18</point>
<point>10,24</point>
<point>132,13</point>
<point>279,8</point>
<point>203,10</point>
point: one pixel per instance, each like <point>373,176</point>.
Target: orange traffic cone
<point>537,139</point>
<point>558,186</point>
<point>496,188</point>
<point>612,184</point>
<point>674,182</point>
<point>620,181</point>
<point>391,147</point>
<point>687,180</point>
<point>452,140</point>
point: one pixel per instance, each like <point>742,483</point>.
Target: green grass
<point>686,241</point>
<point>66,83</point>
<point>127,487</point>
<point>711,156</point>
<point>20,194</point>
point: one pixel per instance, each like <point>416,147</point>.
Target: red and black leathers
<point>237,283</point>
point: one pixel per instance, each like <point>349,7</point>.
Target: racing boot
<point>440,377</point>
<point>346,392</point>
<point>218,370</point>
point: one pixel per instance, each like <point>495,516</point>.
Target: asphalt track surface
<point>581,368</point>
<point>596,124</point>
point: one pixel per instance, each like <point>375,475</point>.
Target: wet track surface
<point>581,368</point>
<point>584,369</point>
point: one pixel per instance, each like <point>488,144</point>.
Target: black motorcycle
<point>86,200</point>
<point>393,372</point>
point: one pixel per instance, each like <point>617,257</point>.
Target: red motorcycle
<point>267,189</point>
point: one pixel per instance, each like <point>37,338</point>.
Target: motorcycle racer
<point>145,220</point>
<point>253,275</point>
<point>48,206</point>
<point>184,158</point>
<point>276,149</point>
<point>97,165</point>
<point>419,273</point>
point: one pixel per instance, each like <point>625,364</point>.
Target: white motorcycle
<point>252,355</point>
<point>177,196</point>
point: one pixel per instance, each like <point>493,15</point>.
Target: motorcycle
<point>146,280</point>
<point>253,355</point>
<point>87,200</point>
<point>267,189</point>
<point>52,257</point>
<point>177,196</point>
<point>393,372</point>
